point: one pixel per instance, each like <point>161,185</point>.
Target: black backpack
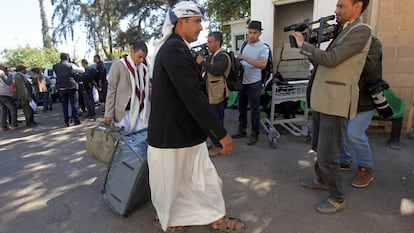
<point>268,70</point>
<point>235,77</point>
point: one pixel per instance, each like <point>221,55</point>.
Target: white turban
<point>179,10</point>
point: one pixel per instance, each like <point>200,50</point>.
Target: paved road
<point>49,184</point>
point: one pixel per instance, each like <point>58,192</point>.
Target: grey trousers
<point>327,166</point>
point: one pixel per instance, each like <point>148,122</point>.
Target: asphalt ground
<point>48,183</point>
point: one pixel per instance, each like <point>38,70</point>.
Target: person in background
<point>355,130</point>
<point>216,68</point>
<point>7,103</point>
<point>88,82</point>
<point>185,187</point>
<point>41,87</point>
<point>67,87</point>
<point>101,78</point>
<point>24,94</point>
<point>127,101</point>
<point>254,58</point>
<point>333,95</point>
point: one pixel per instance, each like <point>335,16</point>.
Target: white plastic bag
<point>33,105</point>
<point>95,94</point>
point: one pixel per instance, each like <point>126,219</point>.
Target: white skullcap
<point>179,10</point>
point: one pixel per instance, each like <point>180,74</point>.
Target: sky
<point>22,26</point>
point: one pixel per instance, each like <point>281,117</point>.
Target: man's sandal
<point>229,224</point>
<point>169,229</point>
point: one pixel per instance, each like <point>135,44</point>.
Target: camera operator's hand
<point>108,120</point>
<point>199,59</point>
<point>299,38</point>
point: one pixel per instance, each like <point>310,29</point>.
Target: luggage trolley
<point>288,91</point>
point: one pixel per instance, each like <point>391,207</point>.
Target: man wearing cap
<point>7,103</point>
<point>253,58</point>
<point>185,186</point>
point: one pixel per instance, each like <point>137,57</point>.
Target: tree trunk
<point>47,40</point>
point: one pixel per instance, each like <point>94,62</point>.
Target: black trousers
<point>327,166</point>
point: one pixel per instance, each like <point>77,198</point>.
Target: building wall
<point>238,33</point>
<point>395,28</point>
<point>263,11</point>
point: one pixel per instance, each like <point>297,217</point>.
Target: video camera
<point>200,50</point>
<point>325,32</point>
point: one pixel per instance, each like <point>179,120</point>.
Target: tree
<point>47,40</point>
<point>99,19</point>
<point>102,21</point>
<point>144,21</point>
<point>31,57</point>
<point>219,12</point>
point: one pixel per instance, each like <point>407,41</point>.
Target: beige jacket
<point>217,71</point>
<point>334,89</point>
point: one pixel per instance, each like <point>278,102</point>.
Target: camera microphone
<point>331,17</point>
<point>290,28</point>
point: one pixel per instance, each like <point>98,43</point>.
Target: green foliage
<point>222,11</point>
<point>102,21</point>
<point>219,12</point>
<point>31,57</point>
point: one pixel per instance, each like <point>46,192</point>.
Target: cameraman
<point>334,95</point>
<point>355,129</point>
<point>216,69</point>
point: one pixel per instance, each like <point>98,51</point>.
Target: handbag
<point>101,142</point>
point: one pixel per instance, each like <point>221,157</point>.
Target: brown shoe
<point>363,177</point>
<point>214,151</point>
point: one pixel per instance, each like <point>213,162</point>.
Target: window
<point>239,41</point>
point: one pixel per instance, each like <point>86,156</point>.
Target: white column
<point>263,10</point>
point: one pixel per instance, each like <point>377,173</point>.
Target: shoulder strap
<point>242,46</point>
<point>227,71</point>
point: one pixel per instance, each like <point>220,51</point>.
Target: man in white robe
<point>185,186</point>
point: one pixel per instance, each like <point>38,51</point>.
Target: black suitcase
<point>127,182</point>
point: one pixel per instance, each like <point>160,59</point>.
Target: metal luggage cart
<point>292,91</point>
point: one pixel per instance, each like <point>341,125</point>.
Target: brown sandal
<point>229,224</point>
<point>176,229</point>
<point>169,229</point>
